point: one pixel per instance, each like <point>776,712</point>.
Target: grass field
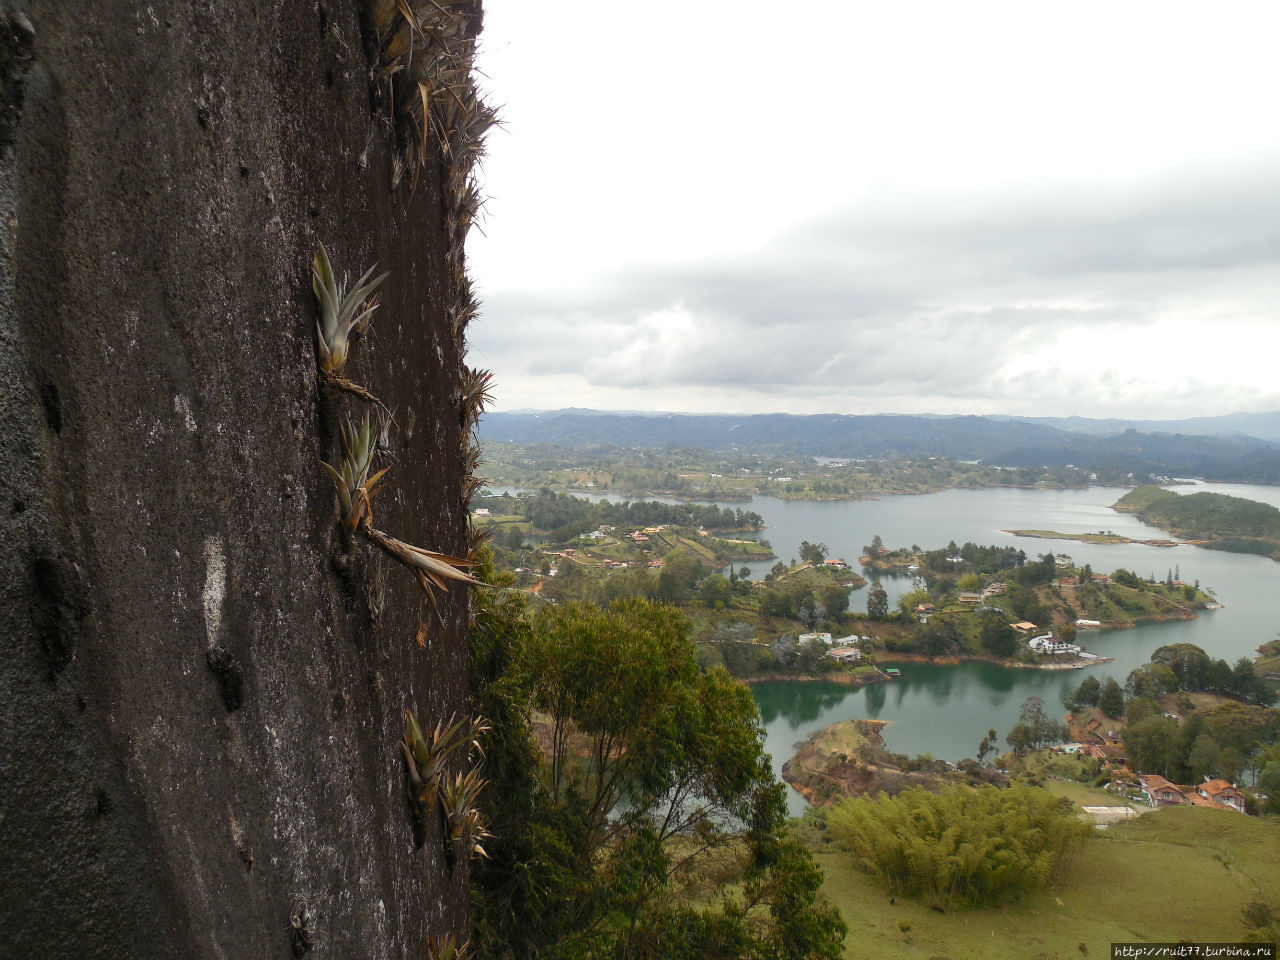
<point>1173,873</point>
<point>1082,795</point>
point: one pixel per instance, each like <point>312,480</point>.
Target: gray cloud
<point>918,299</point>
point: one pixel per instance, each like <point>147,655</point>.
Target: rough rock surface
<point>201,708</point>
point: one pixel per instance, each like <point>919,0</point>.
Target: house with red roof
<point>1222,792</point>
<point>1160,792</point>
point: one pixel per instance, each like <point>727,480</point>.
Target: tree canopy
<point>647,771</point>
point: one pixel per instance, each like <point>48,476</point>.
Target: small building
<point>1047,643</point>
<point>994,589</point>
<point>970,597</point>
<point>1113,753</point>
<point>823,638</point>
<point>833,562</point>
<point>845,654</point>
<point>1222,792</point>
<point>1082,624</point>
<point>850,640</point>
<point>655,564</point>
<point>482,511</point>
<point>1025,626</point>
<point>1160,792</point>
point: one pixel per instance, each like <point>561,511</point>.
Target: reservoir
<point>945,710</point>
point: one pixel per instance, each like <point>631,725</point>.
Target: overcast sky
<point>861,207</point>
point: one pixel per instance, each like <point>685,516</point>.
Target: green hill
<point>1233,523</point>
<point>1174,873</point>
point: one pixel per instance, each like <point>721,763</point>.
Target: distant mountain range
<point>1261,426</point>
<point>1215,448</point>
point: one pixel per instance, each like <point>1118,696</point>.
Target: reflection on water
<point>943,710</point>
<point>797,703</point>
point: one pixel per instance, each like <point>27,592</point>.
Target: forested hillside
<point>997,441</point>
<point>1233,522</point>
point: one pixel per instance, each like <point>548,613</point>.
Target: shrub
<point>965,846</point>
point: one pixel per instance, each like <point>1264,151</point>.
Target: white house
<point>1047,643</point>
<point>845,654</point>
<point>823,638</point>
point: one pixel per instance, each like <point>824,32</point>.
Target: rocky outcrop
<point>203,687</point>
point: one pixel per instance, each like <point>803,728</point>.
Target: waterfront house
<point>1047,643</point>
<point>845,654</point>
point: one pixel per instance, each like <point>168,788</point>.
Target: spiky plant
<point>355,496</point>
<point>463,310</point>
<point>447,947</point>
<point>472,396</point>
<point>351,477</point>
<point>461,210</point>
<point>432,569</point>
<point>470,454</point>
<point>427,52</point>
<point>425,757</point>
<point>463,119</point>
<point>477,538</point>
<point>470,487</point>
<point>460,797</point>
<point>343,314</point>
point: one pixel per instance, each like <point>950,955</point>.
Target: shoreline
<point>1096,539</point>
<point>840,679</point>
<point>849,680</point>
<point>952,660</point>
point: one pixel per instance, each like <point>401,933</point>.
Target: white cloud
<point>986,207</point>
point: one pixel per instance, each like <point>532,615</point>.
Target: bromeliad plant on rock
<point>351,477</point>
<point>355,497</point>
<point>430,788</point>
<point>344,317</point>
<point>447,947</point>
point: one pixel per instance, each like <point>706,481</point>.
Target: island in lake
<point>1208,519</point>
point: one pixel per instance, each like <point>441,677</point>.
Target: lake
<point>946,710</point>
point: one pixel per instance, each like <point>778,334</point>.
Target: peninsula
<point>1208,519</point>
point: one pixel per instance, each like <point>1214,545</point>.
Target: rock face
<point>203,691</point>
